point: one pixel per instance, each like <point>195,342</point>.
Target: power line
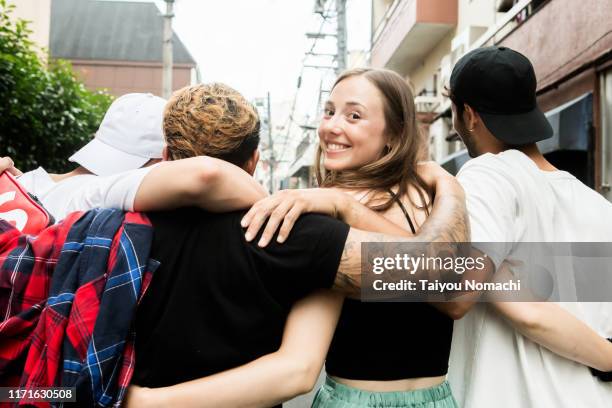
<point>325,16</point>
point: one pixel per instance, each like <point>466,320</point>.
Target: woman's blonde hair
<point>213,120</point>
<point>397,165</point>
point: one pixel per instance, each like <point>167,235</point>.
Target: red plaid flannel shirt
<point>54,307</point>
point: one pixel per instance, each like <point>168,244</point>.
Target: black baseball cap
<point>500,84</point>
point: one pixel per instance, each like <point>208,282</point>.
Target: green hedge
<point>46,113</point>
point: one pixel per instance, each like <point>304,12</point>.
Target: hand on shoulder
<point>7,164</point>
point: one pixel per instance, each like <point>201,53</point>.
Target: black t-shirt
<point>389,341</point>
<point>216,301</point>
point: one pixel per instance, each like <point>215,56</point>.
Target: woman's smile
<point>335,148</point>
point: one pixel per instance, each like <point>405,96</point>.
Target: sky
<point>258,46</point>
<point>255,46</point>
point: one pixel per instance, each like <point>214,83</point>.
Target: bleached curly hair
<point>212,120</point>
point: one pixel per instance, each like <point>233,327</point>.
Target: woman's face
<point>351,132</point>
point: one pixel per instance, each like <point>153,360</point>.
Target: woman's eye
<point>328,112</point>
<point>354,116</point>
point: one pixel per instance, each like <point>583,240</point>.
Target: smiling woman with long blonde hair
<point>390,354</point>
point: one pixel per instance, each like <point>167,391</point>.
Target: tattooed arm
<point>448,223</point>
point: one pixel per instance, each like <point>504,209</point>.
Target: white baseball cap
<point>130,135</point>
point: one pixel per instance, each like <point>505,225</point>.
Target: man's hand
<point>7,164</point>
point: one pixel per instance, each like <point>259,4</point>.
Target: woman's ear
<point>388,144</point>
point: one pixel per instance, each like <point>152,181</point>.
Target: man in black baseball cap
<point>496,87</point>
<point>514,195</point>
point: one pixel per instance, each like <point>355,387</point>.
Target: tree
<point>46,113</point>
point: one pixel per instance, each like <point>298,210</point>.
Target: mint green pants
<point>335,395</point>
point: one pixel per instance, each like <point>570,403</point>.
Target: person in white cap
<point>120,169</point>
<point>129,137</point>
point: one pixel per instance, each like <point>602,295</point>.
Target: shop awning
<point>572,123</point>
<point>453,162</point>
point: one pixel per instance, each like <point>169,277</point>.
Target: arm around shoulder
<point>202,181</point>
<point>448,223</point>
<point>269,380</point>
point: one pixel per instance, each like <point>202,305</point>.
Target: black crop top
<point>390,341</point>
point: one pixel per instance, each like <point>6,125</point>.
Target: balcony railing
<point>518,14</point>
<point>385,20</point>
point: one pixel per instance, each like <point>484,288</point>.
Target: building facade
<point>573,64</point>
<point>568,41</point>
<point>38,13</point>
<point>117,45</point>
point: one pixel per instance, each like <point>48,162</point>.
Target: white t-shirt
<point>84,192</point>
<point>510,199</point>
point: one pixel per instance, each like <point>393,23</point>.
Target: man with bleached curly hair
<point>211,120</point>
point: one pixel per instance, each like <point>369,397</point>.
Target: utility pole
<point>341,35</point>
<point>167,50</point>
<point>271,147</point>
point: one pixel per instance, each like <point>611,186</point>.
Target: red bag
<point>20,208</point>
